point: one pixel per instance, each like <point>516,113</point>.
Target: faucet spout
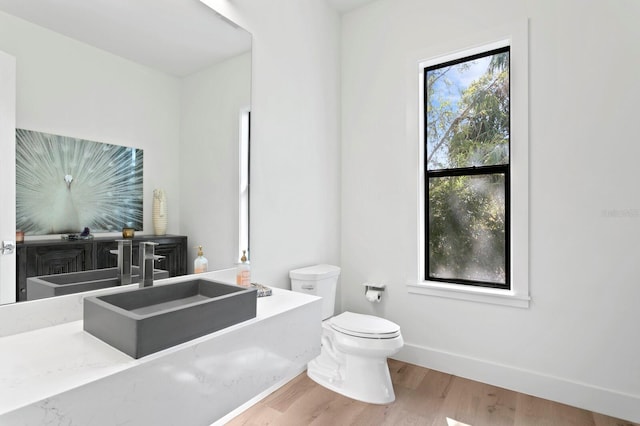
<point>124,261</point>
<point>147,258</point>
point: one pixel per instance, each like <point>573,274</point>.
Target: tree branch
<point>457,120</point>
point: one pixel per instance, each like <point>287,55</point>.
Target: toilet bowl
<point>353,357</point>
<point>355,347</point>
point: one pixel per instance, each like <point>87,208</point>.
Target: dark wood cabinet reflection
<point>47,257</point>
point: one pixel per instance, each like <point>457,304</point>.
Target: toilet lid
<point>366,326</point>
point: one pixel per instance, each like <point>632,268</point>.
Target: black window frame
<point>500,169</point>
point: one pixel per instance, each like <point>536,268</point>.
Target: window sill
<point>469,293</point>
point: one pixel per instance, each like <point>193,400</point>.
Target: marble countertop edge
<point>44,362</point>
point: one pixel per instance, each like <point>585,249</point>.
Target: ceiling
<point>179,37</point>
<point>175,36</point>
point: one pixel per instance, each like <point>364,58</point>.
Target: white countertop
<point>44,362</point>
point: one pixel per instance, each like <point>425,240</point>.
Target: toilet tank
<point>318,280</point>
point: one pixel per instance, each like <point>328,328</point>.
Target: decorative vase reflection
<point>159,212</point>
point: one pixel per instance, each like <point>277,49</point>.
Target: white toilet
<point>355,347</point>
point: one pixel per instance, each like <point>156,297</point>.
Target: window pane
<point>467,112</point>
<point>467,228</point>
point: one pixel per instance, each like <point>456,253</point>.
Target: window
<point>470,171</point>
<point>467,163</point>
<point>244,180</point>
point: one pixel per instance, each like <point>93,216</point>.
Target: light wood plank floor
<point>423,397</point>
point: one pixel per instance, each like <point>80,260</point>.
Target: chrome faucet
<point>147,257</point>
<point>124,261</point>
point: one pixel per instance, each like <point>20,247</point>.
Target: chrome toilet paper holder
<point>371,286</point>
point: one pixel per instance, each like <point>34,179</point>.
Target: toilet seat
<point>364,326</point>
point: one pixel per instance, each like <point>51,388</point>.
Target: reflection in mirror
<point>64,184</point>
<point>173,86</point>
<point>245,180</point>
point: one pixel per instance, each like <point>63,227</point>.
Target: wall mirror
<point>185,48</point>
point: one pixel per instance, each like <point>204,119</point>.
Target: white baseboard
<point>582,395</point>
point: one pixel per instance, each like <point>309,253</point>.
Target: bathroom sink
<point>75,282</point>
<point>146,320</point>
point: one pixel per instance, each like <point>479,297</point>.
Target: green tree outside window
<point>467,132</point>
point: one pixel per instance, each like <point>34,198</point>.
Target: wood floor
<point>423,397</point>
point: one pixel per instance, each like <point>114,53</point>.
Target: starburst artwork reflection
<point>64,184</point>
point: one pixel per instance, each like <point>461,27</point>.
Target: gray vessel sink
<point>75,282</point>
<point>146,320</point>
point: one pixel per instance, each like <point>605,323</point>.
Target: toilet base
<point>365,379</point>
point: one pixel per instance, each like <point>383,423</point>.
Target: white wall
<point>578,342</point>
<point>211,103</point>
<point>69,88</point>
<point>295,152</point>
